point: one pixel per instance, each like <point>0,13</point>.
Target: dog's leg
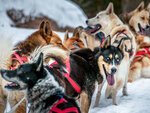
<point>108,92</point>
<point>98,94</point>
<point>114,93</point>
<point>84,102</point>
<point>124,91</point>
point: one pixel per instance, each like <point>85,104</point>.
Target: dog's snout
<point>147,26</point>
<point>113,70</point>
<point>86,21</point>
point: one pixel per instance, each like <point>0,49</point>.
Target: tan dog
<point>138,19</point>
<point>113,26</point>
<point>140,67</point>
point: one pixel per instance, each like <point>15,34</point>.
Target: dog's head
<point>109,58</point>
<point>107,19</point>
<point>74,42</point>
<point>139,18</point>
<point>25,76</point>
<point>49,36</point>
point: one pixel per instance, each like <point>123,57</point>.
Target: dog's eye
<point>143,18</point>
<point>108,59</point>
<point>97,17</point>
<point>117,59</point>
<point>60,43</point>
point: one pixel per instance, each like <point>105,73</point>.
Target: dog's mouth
<point>110,79</point>
<point>141,30</point>
<point>12,86</point>
<point>94,28</point>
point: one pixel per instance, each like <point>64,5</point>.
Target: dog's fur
<point>140,67</point>
<point>138,19</point>
<point>6,49</point>
<point>43,36</point>
<point>111,25</point>
<point>69,42</point>
<point>80,61</point>
<point>41,83</point>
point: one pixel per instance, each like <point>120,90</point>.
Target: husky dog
<point>113,26</point>
<point>138,19</point>
<point>44,88</point>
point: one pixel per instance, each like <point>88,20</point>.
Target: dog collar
<point>67,75</point>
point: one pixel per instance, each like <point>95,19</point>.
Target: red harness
<point>20,59</point>
<point>144,51</point>
<point>67,110</point>
<point>67,75</point>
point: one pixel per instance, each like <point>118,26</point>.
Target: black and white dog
<point>44,89</point>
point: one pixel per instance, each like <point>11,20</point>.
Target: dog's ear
<point>110,8</point>
<point>148,7</point>
<point>39,63</point>
<point>140,6</point>
<point>107,42</point>
<point>121,46</point>
<point>77,31</point>
<point>66,36</point>
<point>46,28</point>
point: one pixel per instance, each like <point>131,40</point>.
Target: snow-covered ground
<point>64,12</point>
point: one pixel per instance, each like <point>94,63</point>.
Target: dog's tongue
<point>93,30</point>
<point>143,31</point>
<point>12,84</point>
<point>110,79</point>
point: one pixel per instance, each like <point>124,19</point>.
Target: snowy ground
<point>138,100</point>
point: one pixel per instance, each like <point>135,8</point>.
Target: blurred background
<point>62,14</point>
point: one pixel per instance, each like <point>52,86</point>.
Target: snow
<point>64,12</point>
<point>138,100</point>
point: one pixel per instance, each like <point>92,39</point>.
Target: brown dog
<point>73,42</point>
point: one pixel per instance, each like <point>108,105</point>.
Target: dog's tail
<point>49,51</point>
<point>6,50</point>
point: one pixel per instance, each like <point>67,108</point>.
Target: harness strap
<point>20,59</point>
<point>57,110</point>
<point>144,51</point>
<point>15,107</point>
<point>126,38</point>
<point>101,38</point>
<point>67,75</point>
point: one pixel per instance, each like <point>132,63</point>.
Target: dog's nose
<point>147,26</point>
<point>86,21</point>
<point>113,70</point>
